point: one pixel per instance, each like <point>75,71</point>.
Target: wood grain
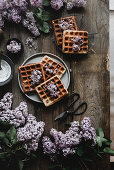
<point>89,76</point>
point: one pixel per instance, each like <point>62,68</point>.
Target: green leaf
<point>46,2</point>
<point>33,156</point>
<point>109,151</point>
<point>20,164</point>
<point>108,142</point>
<point>6,142</point>
<point>88,159</point>
<point>2,155</point>
<point>12,136</point>
<point>99,141</point>
<point>43,15</point>
<point>100,132</point>
<point>2,135</point>
<point>99,155</point>
<point>44,27</point>
<point>79,151</point>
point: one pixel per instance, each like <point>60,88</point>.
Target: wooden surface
<point>111,23</point>
<point>89,76</point>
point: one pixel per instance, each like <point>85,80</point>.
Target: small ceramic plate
<point>9,61</point>
<point>37,58</point>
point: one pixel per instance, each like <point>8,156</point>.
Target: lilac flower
<point>36,3</point>
<point>66,25</point>
<point>69,5</point>
<point>30,23</point>
<point>16,11</point>
<point>86,123</point>
<point>56,4</point>
<point>52,88</point>
<point>77,43</point>
<point>79,3</point>
<point>6,102</point>
<point>49,146</point>
<point>67,143</point>
<point>31,133</point>
<point>36,76</point>
<point>14,46</point>
<point>76,47</point>
<point>29,42</point>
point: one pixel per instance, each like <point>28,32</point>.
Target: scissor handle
<point>82,104</point>
<point>72,95</point>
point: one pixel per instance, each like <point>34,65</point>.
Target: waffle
<point>44,94</point>
<point>26,72</point>
<point>58,31</point>
<point>56,68</point>
<point>67,42</point>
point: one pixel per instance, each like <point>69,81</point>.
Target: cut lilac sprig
<point>29,131</point>
<point>36,3</point>
<point>14,46</point>
<point>36,76</point>
<point>53,89</point>
<point>66,143</point>
<point>77,43</point>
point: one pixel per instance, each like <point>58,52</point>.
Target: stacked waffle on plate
<point>44,78</point>
<point>68,37</point>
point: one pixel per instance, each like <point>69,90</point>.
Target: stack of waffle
<point>65,30</point>
<point>49,87</point>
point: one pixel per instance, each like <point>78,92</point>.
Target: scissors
<point>68,112</point>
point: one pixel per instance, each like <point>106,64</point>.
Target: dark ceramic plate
<point>37,58</point>
<point>8,60</point>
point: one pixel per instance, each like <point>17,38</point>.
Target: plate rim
<point>10,62</point>
<point>43,53</point>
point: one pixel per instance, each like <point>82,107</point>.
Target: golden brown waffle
<point>26,72</point>
<point>45,94</point>
<point>68,35</point>
<point>58,31</point>
<point>56,68</point>
<point>68,43</point>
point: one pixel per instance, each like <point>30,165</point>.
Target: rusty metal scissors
<point>68,112</point>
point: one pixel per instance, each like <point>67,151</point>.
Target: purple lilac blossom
<point>31,133</point>
<point>79,3</point>
<point>56,4</point>
<point>77,43</point>
<point>28,129</point>
<point>36,76</point>
<point>15,117</point>
<point>66,143</point>
<point>36,3</point>
<point>69,5</point>
<point>49,68</point>
<point>30,23</point>
<point>17,12</point>
<point>52,88</point>
<point>75,3</point>
<point>14,46</point>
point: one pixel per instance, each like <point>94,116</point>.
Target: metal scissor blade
<point>61,116</point>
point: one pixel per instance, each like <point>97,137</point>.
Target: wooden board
<point>89,76</point>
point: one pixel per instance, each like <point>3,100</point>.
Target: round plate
<point>37,58</point>
<point>9,61</point>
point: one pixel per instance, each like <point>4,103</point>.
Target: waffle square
<point>68,43</point>
<point>58,31</point>
<point>56,68</point>
<point>44,94</point>
<point>26,72</point>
